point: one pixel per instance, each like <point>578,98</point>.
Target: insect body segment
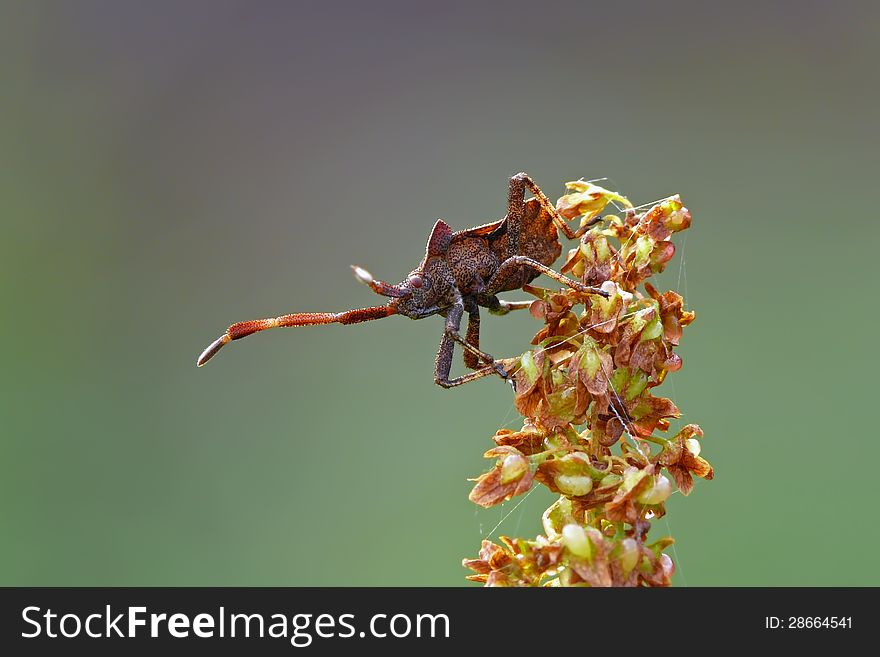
<point>460,272</point>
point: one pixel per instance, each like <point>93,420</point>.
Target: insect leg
<point>524,181</point>
<point>451,335</point>
<point>472,337</point>
<point>498,306</point>
<point>510,266</point>
<point>516,192</point>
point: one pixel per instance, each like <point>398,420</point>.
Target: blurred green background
<point>169,168</point>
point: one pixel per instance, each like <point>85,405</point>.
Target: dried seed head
<point>587,384</point>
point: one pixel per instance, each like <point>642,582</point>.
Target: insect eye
<point>416,281</point>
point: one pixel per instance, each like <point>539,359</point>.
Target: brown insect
<point>461,272</point>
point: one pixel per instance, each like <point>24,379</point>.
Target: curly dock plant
<point>590,416</point>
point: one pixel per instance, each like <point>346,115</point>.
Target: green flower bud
<point>659,492</point>
<point>652,330</point>
<point>513,468</point>
<point>638,321</point>
<point>644,246</point>
<point>574,485</point>
<point>554,441</point>
<point>561,404</point>
<point>629,555</point>
<point>610,480</point>
<point>586,251</point>
<point>578,459</point>
<point>603,253</point>
<point>631,478</point>
<point>529,366</point>
<point>575,539</point>
<point>556,517</point>
<point>637,384</point>
<point>619,378</point>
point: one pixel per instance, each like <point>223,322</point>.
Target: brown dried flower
<point>681,457</point>
<point>590,418</point>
